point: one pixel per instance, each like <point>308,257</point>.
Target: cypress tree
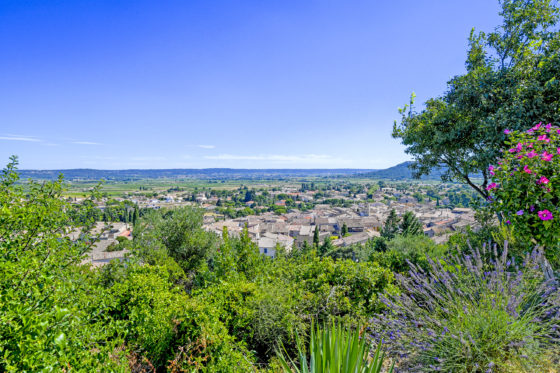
<point>344,230</point>
<point>135,216</point>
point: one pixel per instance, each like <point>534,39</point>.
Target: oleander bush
<point>474,313</point>
<point>526,186</point>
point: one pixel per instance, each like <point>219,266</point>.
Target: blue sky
<point>241,84</point>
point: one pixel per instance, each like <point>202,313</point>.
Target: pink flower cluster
<point>530,151</point>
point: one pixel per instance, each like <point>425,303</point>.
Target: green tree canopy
<point>180,232</point>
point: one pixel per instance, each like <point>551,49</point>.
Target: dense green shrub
<point>171,329</point>
<point>340,288</point>
<point>403,250</point>
<point>49,312</point>
<point>283,296</point>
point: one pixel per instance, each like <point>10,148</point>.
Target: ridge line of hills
<point>398,172</point>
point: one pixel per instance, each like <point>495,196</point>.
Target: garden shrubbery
<point>526,186</point>
<point>471,314</point>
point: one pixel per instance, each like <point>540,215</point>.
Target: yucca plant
<point>334,350</point>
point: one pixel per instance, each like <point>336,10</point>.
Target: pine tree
<point>410,225</point>
<point>391,227</point>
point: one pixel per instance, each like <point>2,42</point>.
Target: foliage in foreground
<point>335,350</point>
<point>479,313</point>
<point>46,322</point>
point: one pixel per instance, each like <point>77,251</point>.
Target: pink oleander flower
<point>543,180</point>
<point>492,186</point>
<point>547,156</point>
<point>491,169</point>
<point>507,132</point>
<point>530,145</point>
<point>548,127</point>
<point>527,169</point>
<point>545,215</point>
<point>537,126</point>
<point>519,156</point>
<point>543,138</point>
<point>531,154</point>
<point>557,150</point>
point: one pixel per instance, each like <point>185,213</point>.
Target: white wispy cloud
<point>311,158</point>
<point>207,146</point>
<point>86,143</point>
<point>20,138</point>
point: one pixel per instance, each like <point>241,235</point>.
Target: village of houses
<point>364,220</point>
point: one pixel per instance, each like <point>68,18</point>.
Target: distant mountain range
<point>398,172</point>
<point>403,172</point>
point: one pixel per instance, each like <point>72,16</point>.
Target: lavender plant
<point>474,313</point>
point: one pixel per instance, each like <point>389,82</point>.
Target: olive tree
<point>511,82</point>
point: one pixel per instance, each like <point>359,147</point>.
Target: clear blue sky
<point>243,84</point>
